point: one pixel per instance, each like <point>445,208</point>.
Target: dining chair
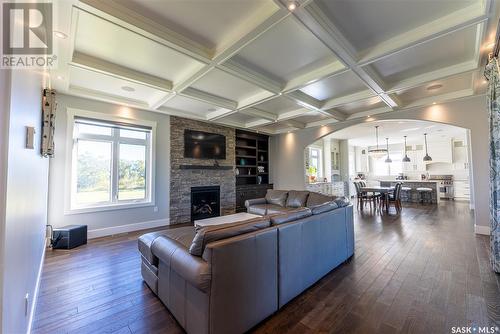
<point>395,197</point>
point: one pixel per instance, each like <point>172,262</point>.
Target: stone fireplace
<point>187,174</point>
<point>205,202</point>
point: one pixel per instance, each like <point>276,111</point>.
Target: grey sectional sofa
<point>227,278</point>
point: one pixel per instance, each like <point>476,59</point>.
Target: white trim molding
<point>481,229</point>
<point>107,231</point>
<point>34,298</point>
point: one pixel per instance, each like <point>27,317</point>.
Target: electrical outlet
<point>155,209</point>
<point>26,304</point>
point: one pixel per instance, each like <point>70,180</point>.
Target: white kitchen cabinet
<point>462,190</point>
<point>416,155</point>
<point>460,156</point>
<point>440,151</point>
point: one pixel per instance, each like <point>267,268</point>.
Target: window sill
<point>110,207</point>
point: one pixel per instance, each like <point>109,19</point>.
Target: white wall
<point>470,113</point>
<point>24,193</point>
<point>115,221</point>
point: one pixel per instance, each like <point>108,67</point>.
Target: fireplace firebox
<point>205,202</point>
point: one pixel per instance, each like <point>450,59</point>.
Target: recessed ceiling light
<point>211,109</point>
<point>433,102</point>
<point>368,116</point>
<point>435,87</point>
<point>128,89</point>
<point>60,77</point>
<point>292,5</point>
<point>61,35</point>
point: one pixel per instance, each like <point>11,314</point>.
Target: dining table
<point>380,190</point>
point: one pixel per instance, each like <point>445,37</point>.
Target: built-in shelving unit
<point>252,167</point>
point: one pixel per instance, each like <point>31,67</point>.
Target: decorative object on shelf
<point>249,171</point>
<point>427,156</point>
<point>49,106</point>
<point>243,162</point>
<point>388,159</point>
<point>261,157</point>
<point>259,179</point>
<point>406,158</point>
<point>261,169</point>
<point>237,171</point>
<point>377,152</point>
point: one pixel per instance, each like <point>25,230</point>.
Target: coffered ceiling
<point>257,65</point>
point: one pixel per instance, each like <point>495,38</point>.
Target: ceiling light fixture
<point>128,89</point>
<point>433,102</point>
<point>377,152</point>
<point>211,109</point>
<point>427,157</point>
<point>435,87</point>
<point>292,5</point>
<point>406,157</point>
<point>388,160</point>
<point>60,35</point>
<point>60,77</point>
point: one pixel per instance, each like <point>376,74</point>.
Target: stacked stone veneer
<point>181,180</point>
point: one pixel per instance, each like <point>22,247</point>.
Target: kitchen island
<point>412,196</point>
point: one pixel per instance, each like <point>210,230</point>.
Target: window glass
<point>93,129</point>
<point>93,179</point>
<point>134,134</point>
<point>132,172</point>
<point>111,165</point>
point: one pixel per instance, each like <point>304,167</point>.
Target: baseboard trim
<point>107,231</point>
<point>481,229</point>
<point>37,289</point>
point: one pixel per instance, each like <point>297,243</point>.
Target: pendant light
<point>377,153</point>
<point>427,156</point>
<point>406,158</point>
<point>388,160</point>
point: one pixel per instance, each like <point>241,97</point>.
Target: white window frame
<point>70,169</point>
<point>319,170</point>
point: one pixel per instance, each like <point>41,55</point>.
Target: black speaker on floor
<point>70,236</point>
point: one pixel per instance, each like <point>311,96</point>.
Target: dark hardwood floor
<point>423,271</point>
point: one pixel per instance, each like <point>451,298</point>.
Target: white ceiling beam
<point>209,98</point>
<point>125,17</point>
<point>245,73</point>
<point>439,74</point>
<point>304,100</point>
<point>338,115</point>
<point>98,95</point>
<point>259,114</point>
<point>315,20</point>
<point>293,114</point>
<point>216,115</point>
<point>461,19</point>
<point>314,76</point>
<point>370,113</point>
<point>441,98</point>
<point>102,66</point>
<point>160,101</point>
<point>258,123</point>
<point>295,124</point>
<point>337,101</point>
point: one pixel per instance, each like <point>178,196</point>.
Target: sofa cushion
<point>342,201</point>
<point>183,235</point>
<point>296,199</point>
<point>276,197</point>
<point>325,207</point>
<point>289,216</point>
<point>315,199</point>
<point>207,234</point>
<point>258,209</point>
<point>276,209</point>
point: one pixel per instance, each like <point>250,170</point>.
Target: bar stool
<point>406,191</point>
<point>423,194</point>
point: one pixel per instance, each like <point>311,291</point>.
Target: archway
<point>470,113</point>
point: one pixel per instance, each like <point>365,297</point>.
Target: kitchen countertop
<point>410,181</point>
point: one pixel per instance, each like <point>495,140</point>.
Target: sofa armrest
<point>250,202</point>
<point>193,269</point>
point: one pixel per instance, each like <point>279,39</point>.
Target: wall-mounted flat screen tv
<point>204,145</point>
